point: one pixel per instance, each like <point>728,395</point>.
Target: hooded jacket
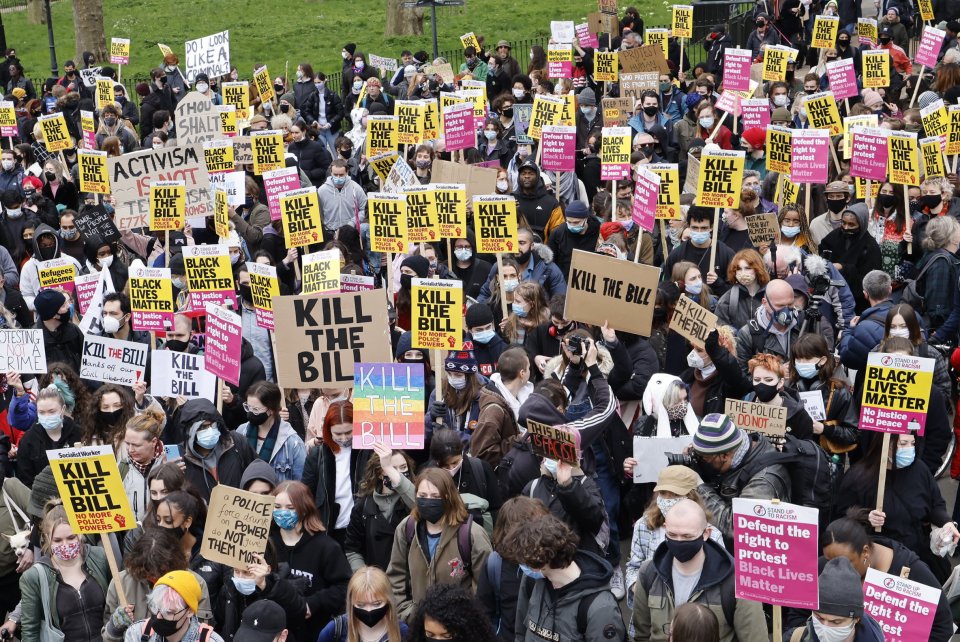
<point>288,452</point>
<point>342,206</point>
<point>228,460</point>
<point>857,255</point>
<point>541,209</point>
<point>579,505</point>
<point>552,614</point>
<point>64,343</point>
<point>545,272</point>
<point>30,276</point>
<point>861,339</point>
<point>474,275</point>
<point>280,587</point>
<point>737,306</point>
<point>563,242</point>
<point>258,470</point>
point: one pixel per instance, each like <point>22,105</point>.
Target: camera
<point>576,345</point>
<point>679,459</point>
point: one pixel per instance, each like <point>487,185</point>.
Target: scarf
<point>268,442</point>
<point>143,469</point>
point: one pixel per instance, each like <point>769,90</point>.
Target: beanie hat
<point>755,137</point>
<point>418,264</point>
<point>44,488</point>
<point>186,586</point>
<point>22,416</point>
<point>717,434</point>
<point>577,209</point>
<point>201,77</point>
<point>927,98</point>
<point>259,118</point>
<point>872,98</point>
<point>693,99</point>
<point>48,304</point>
<point>954,26</point>
<point>350,48</point>
<point>587,97</point>
<point>611,227</point>
<point>780,114</point>
<point>403,345</point>
<point>176,264</point>
<point>840,590</point>
<point>478,315</point>
<point>19,92</point>
<point>461,360</point>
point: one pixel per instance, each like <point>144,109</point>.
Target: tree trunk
<point>35,12</point>
<point>402,21</point>
<point>88,30</point>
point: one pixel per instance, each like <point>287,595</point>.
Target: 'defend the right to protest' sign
<point>903,608</point>
<point>776,552</point>
<point>896,393</point>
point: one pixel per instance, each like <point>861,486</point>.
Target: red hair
<point>339,412</point>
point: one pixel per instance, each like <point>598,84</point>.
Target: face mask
<point>806,370</point>
<point>508,112</point>
<point>109,121</point>
<point>519,93</point>
<point>357,86</point>
<point>884,41</point>
<point>836,206</point>
<point>406,281</point>
<point>208,437</point>
<point>339,181</point>
<point>69,235</point>
<point>783,317</point>
<point>790,231</point>
<point>684,551</point>
<point>905,456</point>
<point>164,628</point>
<point>529,572</point>
<point>706,122</point>
<point>175,345</point>
<point>694,360</point>
<point>244,291</point>
<point>346,153</point>
<point>14,213</point>
<point>430,509</point>
<point>588,111</point>
<point>551,466</point>
<point>519,309</point>
<point>665,87</point>
<point>372,617</point>
<point>576,229</point>
<point>285,518</point>
<point>106,262</point>
<point>490,134</point>
<point>765,392</point>
<point>234,258</point>
<point>780,100</point>
<point>51,176</point>
<point>257,418</point>
<point>178,283</point>
<point>694,288</point>
<point>665,504</point>
<point>8,165</point>
<point>244,585</point>
<point>110,325</point>
<point>826,633</point>
<point>344,443</point>
<point>463,254</point>
<point>746,277</point>
<point>843,44</point>
<point>699,238</point>
<point>484,337</point>
<point>503,186</point>
<point>677,411</point>
<point>163,80</point>
<point>851,233</point>
<point>66,552</point>
<point>202,87</point>
<point>359,64</point>
<point>423,163</point>
<point>931,201</point>
<point>50,422</point>
<point>345,54</point>
<point>903,333</point>
<point>457,382</point>
<point>651,111</point>
<point>510,285</point>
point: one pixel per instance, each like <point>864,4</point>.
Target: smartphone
<point>172,452</point>
<point>827,254</point>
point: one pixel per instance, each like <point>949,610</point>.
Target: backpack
<point>464,543</point>
<point>811,473</point>
<point>913,288</point>
<point>583,608</point>
<point>493,570</point>
<point>520,448</point>
<point>477,505</point>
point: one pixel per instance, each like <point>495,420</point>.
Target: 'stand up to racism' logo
<point>759,510</point>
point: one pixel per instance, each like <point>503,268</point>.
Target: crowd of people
<point>477,537</point>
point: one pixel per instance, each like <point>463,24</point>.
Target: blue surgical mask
<point>627,225</point>
<point>244,586</point>
<point>208,437</point>
<point>529,572</point>
<point>551,466</point>
<point>694,288</point>
<point>706,122</point>
<point>484,337</point>
<point>339,181</point>
<point>699,238</point>
<point>576,229</point>
<point>806,370</point>
<point>510,284</point>
<point>588,111</point>
<point>463,254</point>
<point>50,422</point>
<point>178,283</point>
<point>519,309</point>
<point>905,456</point>
<point>790,230</point>
<point>285,518</point>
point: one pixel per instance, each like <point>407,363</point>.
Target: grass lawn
<point>277,31</point>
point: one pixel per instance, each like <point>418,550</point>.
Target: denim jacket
<point>288,454</point>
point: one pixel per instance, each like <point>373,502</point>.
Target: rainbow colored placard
<point>388,405</point>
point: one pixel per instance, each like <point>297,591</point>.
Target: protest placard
<point>451,202</point>
<point>755,112</point>
<point>495,218</point>
<point>585,37</point>
<point>736,69</point>
<point>96,221</point>
<point>132,173</point>
<point>23,351</point>
<point>355,283</point>
<point>757,417</point>
<point>931,156</point>
<point>444,70</point>
<point>323,337</point>
<point>469,39</point>
<point>89,75</point>
<point>209,275</point>
<point>264,84</point>
<point>546,111</point>
<point>632,85</point>
<point>431,119</point>
<point>645,58</point>
<point>180,374</point>
<point>903,160</point>
<point>658,38</point>
<point>168,203</point>
<point>221,213</point>
<point>381,135</point>
<point>825,30</point>
<point>865,120</point>
<point>422,225</point>
<point>926,10</point>
<point>277,182</point>
<point>84,287</point>
<point>237,527</point>
<point>787,192</point>
<point>300,216</point>
<point>616,111</point>
<point>720,179</point>
<point>867,32</point>
<point>267,148</point>
<point>223,343</point>
<point>559,148</point>
<point>554,442</point>
<point>112,360</point>
<point>57,274</point>
<point>812,401</point>
<point>219,156</point>
<point>387,214</point>
<point>8,119</point>
<point>437,314</point>
<point>401,175</point>
<point>860,188</point>
<point>869,159</point>
<point>264,286</point>
<point>151,299</point>
<point>937,122</point>
<point>928,50</point>
<point>775,59</point>
<point>321,272</point>
<point>459,127</point>
<point>810,156</point>
<point>646,193</point>
<point>104,92</point>
<point>602,289</point>
<point>822,112</point>
<point>896,393</point>
<point>228,121</point>
<point>237,94</point>
<point>776,552</point>
<point>119,51</point>
<point>208,55</point>
<point>842,78</point>
<point>559,60</point>
<point>388,405</point>
<point>477,180</point>
<point>91,488</point>
<point>88,129</point>
<point>605,68</point>
<point>876,68</point>
<point>682,21</point>
<point>778,149</point>
<point>197,119</point>
<point>602,22</point>
<point>692,321</point>
<point>904,609</point>
<point>651,455</point>
<point>383,63</point>
<point>668,198</point>
<point>409,122</point>
<point>56,136</point>
<point>615,145</point>
<point>763,229</point>
<point>94,177</point>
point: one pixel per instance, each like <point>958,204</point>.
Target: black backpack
<point>914,292</point>
<point>811,473</point>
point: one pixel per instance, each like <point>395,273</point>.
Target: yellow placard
<point>381,135</point>
<point>451,200</point>
<point>787,191</point>
<point>495,218</point>
<point>267,150</point>
<point>151,298</point>
<point>94,176</point>
<point>228,120</point>
<point>422,225</point>
<point>682,24</point>
<point>951,130</point>
<point>864,120</point>
<point>860,188</point>
<point>264,286</point>
<point>437,314</point>
<point>208,268</point>
<point>615,145</point>
<point>387,214</point>
<point>899,384</point>
<point>264,84</point>
<point>105,95</point>
<point>301,218</point>
<point>164,49</point>
<point>606,66</point>
<point>410,122</point>
<point>221,213</point>
<point>822,112</point>
<point>778,149</point>
<point>383,163</point>
<point>168,205</point>
<point>568,115</point>
<point>903,160</point>
<point>431,120</point>
<point>657,37</point>
<point>238,95</point>
<point>321,272</point>
<point>668,198</point>
<point>57,273</point>
<point>8,115</point>
<point>825,30</point>
<point>218,156</point>
<point>876,68</point>
<point>470,40</point>
<point>926,10</point>
<point>56,136</point>
<point>931,154</point>
<point>120,51</point>
<point>547,110</point>
<point>91,488</point>
<point>720,179</point>
<point>775,61</point>
<point>867,30</point>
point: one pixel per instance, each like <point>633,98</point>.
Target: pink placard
<point>843,78</point>
<point>563,69</point>
<point>223,343</point>
<point>729,102</point>
<point>12,131</point>
<point>869,158</point>
<point>755,112</point>
<point>776,552</point>
<point>904,609</point>
<point>85,287</point>
<point>614,171</point>
<point>810,156</point>
<point>459,130</point>
<point>586,38</point>
<point>89,139</point>
<point>278,182</point>
<point>559,148</point>
<point>646,191</point>
<point>929,47</point>
<point>736,69</point>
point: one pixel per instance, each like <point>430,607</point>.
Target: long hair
<point>454,511</point>
<point>804,239</point>
<point>373,473</point>
<point>54,515</point>
<point>339,412</point>
<point>93,429</point>
<point>172,478</point>
<point>679,276</point>
<point>814,346</point>
<point>694,622</point>
<point>900,217</point>
<point>460,401</point>
<point>81,394</point>
<point>495,282</point>
<point>539,312</point>
<point>457,610</point>
<point>304,505</point>
<point>370,580</point>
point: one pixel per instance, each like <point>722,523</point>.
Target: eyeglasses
<point>256,411</point>
<point>167,614</point>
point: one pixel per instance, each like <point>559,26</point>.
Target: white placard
<point>22,351</point>
<point>813,404</point>
<point>178,374</point>
<point>651,455</point>
<point>113,361</point>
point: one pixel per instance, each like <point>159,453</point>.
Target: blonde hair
<point>54,515</point>
<point>150,421</point>
<point>372,580</point>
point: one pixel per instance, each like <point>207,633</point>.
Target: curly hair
<point>457,610</point>
<point>154,554</point>
<point>373,474</point>
<point>515,511</point>
<point>81,394</point>
<point>542,542</point>
<point>770,362</point>
<point>93,430</point>
<point>753,259</point>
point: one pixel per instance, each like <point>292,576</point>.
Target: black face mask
<point>245,293</point>
<point>508,112</point>
<point>884,41</point>
<point>851,234</point>
<point>430,510</point>
<point>163,80</point>
<point>836,206</point>
<point>284,108</point>
<point>51,176</point>
<point>164,628</point>
<point>256,418</point>
<point>523,257</point>
<point>346,153</point>
<point>684,551</point>
<point>765,392</point>
<point>372,617</point>
<point>886,200</point>
<point>843,44</point>
<point>651,111</point>
<point>931,200</point>
<point>406,281</point>
<point>109,418</point>
<point>176,345</point>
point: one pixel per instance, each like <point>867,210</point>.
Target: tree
<point>403,21</point>
<point>88,29</point>
<point>35,13</point>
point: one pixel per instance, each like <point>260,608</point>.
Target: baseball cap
<point>261,622</point>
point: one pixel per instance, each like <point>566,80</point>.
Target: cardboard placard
<point>323,337</point>
<point>645,58</point>
<point>602,23</point>
<point>554,442</point>
<point>209,55</point>
<point>197,119</point>
<point>720,179</point>
<point>651,455</point>
<point>321,272</point>
<point>617,111</point>
<point>388,405</point>
<point>477,180</point>
<point>896,393</point>
<point>237,528</point>
<point>904,609</point>
<point>444,70</point>
<point>692,321</point>
<point>495,219</point>
<point>209,275</point>
<point>113,361</point>
<point>23,351</point>
<point>151,299</point>
<point>383,63</point>
<point>91,488</point>
<point>179,374</point>
<point>264,286</point>
<point>763,229</point>
<point>603,289</point>
<point>757,417</point>
<point>812,401</point>
<point>437,314</point>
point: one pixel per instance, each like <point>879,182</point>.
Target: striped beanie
<point>717,434</point>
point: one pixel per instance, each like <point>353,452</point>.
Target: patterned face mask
<point>677,411</point>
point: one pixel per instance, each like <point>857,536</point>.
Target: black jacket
<point>563,242</point>
<point>537,208</point>
<point>700,257</point>
<point>232,456</point>
<point>857,256</point>
<point>634,362</point>
<point>370,533</point>
<point>33,447</point>
<point>314,159</point>
<point>333,109</point>
<point>319,474</point>
<point>307,100</point>
<point>251,371</point>
<point>14,302</point>
<point>63,344</point>
<point>578,504</point>
<point>159,99</point>
<point>281,587</point>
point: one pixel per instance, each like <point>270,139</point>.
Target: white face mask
<point>830,633</point>
<point>8,165</point>
<point>304,396</point>
<point>202,87</point>
<point>903,333</point>
<point>519,93</point>
<point>665,504</point>
<point>503,186</point>
<point>694,360</point>
<point>457,381</point>
<point>106,262</point>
